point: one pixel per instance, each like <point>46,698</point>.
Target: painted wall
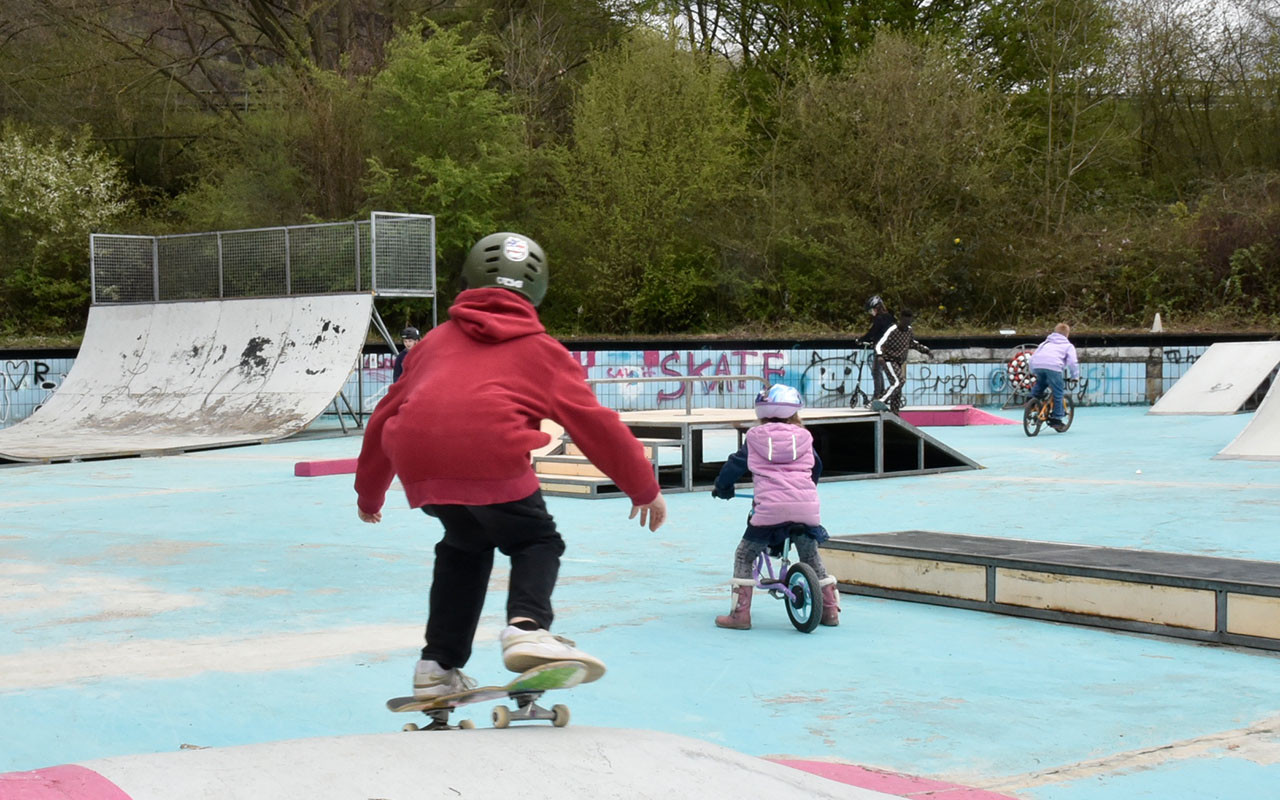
<point>827,377</point>
<point>25,384</point>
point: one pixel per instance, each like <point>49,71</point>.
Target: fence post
<point>155,269</point>
<point>288,266</point>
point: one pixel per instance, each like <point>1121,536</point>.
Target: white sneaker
<point>430,680</point>
<point>524,650</point>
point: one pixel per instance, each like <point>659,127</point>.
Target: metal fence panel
<point>122,268</point>
<point>191,266</point>
<point>404,254</point>
<point>390,254</point>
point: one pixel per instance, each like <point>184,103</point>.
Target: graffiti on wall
<point>828,378</point>
<point>25,385</point>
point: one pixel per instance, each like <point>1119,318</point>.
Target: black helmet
<point>410,333</point>
<point>510,261</point>
<point>873,302</point>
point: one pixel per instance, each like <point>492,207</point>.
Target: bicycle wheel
<point>1070,409</point>
<point>1031,420</point>
<point>805,611</point>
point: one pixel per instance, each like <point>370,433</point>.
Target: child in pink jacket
<point>785,469</point>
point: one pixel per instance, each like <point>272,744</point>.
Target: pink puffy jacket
<point>780,457</point>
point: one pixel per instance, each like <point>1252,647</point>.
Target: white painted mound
<point>530,763</point>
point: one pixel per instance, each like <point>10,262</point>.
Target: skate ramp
<point>1223,380</point>
<point>532,763</point>
<point>1260,439</point>
<point>168,377</point>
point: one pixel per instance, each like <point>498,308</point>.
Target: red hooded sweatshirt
<point>460,423</point>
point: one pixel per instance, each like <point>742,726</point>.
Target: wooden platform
<point>1225,600</point>
<point>852,445</point>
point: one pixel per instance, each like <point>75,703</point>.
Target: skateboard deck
<point>524,689</point>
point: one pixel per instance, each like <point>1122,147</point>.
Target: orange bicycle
<point>1036,412</point>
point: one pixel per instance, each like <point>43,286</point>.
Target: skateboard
<point>524,689</point>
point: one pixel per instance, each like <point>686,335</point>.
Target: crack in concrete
<point>1259,742</point>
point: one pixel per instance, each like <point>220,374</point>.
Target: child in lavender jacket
<point>785,469</point>
<point>1055,354</point>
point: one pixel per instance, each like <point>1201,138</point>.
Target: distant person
<point>881,320</point>
<point>1054,355</point>
<point>408,338</point>
<point>458,431</point>
<point>785,469</point>
<point>897,341</point>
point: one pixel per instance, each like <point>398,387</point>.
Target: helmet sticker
<point>515,248</point>
<point>514,283</point>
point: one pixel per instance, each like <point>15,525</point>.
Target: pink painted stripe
<point>890,782</point>
<point>68,782</point>
<point>336,466</point>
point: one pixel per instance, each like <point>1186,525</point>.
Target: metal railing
<point>389,254</point>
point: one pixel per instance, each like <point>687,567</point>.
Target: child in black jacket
<point>893,347</point>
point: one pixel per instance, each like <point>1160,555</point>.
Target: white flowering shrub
<point>54,191</point>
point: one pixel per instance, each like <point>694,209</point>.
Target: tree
<point>653,170</point>
<point>1057,59</point>
<point>897,168</point>
<point>54,190</point>
<point>443,141</point>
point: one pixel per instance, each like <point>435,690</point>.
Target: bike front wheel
<point>1031,420</point>
<point>804,607</point>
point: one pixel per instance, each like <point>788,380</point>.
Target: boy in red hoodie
<point>457,429</point>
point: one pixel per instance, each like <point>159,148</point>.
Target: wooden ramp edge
<point>1204,598</point>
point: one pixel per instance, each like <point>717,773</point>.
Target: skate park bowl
<point>211,609</point>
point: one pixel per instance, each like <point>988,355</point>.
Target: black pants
<point>879,373</point>
<point>891,395</point>
<point>521,530</point>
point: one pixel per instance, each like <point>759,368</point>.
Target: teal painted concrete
<point>215,599</point>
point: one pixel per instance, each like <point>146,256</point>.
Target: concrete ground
<point>213,599</point>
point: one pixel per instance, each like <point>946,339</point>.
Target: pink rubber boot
<point>739,616</point>
<point>830,602</point>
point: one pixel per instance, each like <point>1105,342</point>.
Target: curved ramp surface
<point>168,377</point>
<point>533,763</point>
<point>1222,380</point>
<point>1260,439</point>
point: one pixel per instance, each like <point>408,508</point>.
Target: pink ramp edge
<point>890,782</point>
<point>336,466</point>
<point>68,782</point>
<point>952,416</point>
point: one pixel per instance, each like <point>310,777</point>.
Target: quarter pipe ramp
<point>168,377</point>
<point>1223,380</point>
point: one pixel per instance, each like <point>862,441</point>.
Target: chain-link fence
<point>390,254</point>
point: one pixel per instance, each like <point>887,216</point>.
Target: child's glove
<point>724,493</point>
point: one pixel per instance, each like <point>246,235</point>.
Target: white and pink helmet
<point>778,402</point>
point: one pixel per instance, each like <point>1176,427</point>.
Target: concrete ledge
<point>1226,600</point>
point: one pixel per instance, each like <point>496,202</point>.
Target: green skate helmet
<point>510,261</point>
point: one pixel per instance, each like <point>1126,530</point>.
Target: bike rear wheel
<point>805,611</point>
<point>1031,419</point>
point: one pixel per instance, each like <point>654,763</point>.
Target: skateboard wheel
<point>561,715</point>
<point>501,717</point>
<point>466,724</point>
<point>412,726</point>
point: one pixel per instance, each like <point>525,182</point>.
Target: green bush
<point>54,191</point>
